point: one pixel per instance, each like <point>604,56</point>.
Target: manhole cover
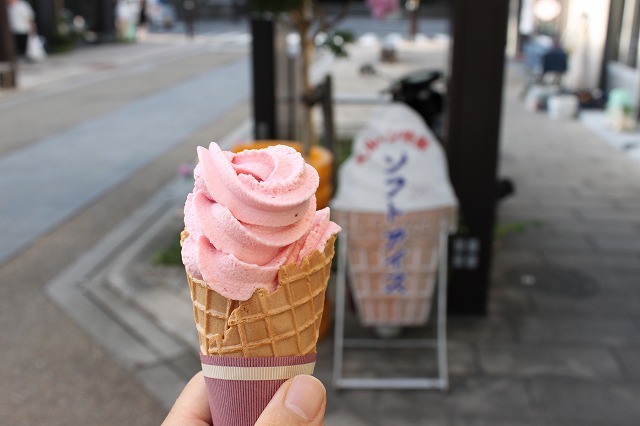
<point>556,281</point>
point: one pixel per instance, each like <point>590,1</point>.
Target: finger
<point>192,406</point>
<point>300,401</point>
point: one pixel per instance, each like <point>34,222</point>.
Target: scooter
<point>424,92</point>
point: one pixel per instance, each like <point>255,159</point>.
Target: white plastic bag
<point>35,48</point>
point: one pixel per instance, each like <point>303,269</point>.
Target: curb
<point>96,293</point>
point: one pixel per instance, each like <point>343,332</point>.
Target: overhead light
<point>547,10</point>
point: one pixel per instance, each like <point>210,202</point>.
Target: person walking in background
<point>22,23</point>
<point>189,7</point>
<point>142,21</point>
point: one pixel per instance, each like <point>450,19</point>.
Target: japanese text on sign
<point>396,234</point>
<point>407,136</point>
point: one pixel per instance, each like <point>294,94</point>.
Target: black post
<point>477,55</point>
<point>45,17</point>
<point>105,20</point>
<point>413,9</point>
<point>263,75</point>
<point>7,50</point>
<point>329,128</point>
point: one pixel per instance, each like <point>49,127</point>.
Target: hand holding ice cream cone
<point>258,257</point>
<point>300,401</point>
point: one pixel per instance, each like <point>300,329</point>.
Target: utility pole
<point>413,8</point>
<point>472,138</point>
<point>7,50</point>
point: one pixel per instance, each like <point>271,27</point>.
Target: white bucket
<point>562,107</point>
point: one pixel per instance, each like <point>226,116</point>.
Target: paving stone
<point>390,363</point>
<point>412,408</point>
<point>96,319</point>
<point>480,329</point>
<point>505,260</point>
<point>581,203</point>
<point>359,402</point>
<point>483,397</point>
<point>542,215</point>
<point>540,360</point>
<point>341,417</point>
<point>171,312</point>
<point>545,420</point>
<point>604,304</point>
<point>142,327</point>
<point>588,261</point>
<point>609,214</point>
<point>495,420</point>
<point>629,244</point>
<point>579,400</point>
<point>630,359</point>
<point>187,364</point>
<point>161,382</point>
<point>562,243</point>
<point>463,359</point>
<point>564,329</point>
<point>618,281</point>
<point>611,192</point>
<point>594,227</point>
<point>508,301</point>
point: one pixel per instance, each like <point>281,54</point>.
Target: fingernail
<point>305,397</point>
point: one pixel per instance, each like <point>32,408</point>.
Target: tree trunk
<point>306,50</point>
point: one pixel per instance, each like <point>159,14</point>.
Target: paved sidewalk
<point>560,343</point>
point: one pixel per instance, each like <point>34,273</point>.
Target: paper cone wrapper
<point>392,280</point>
<point>278,329</point>
<point>240,388</point>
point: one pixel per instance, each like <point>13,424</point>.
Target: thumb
<point>300,401</point>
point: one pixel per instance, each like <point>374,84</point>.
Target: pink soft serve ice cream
<point>249,214</point>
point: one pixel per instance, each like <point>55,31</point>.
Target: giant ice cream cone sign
<point>394,198</point>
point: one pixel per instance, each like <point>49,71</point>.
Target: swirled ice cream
<point>249,214</point>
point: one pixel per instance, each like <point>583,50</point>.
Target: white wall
<point>585,39</point>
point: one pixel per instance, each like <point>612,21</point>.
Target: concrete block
<point>480,329</point>
<point>485,398</point>
<point>412,408</point>
<point>624,244</point>
<point>141,327</point>
<point>630,359</point>
<point>571,399</point>
<point>341,417</point>
<point>541,360</point>
<point>604,304</point>
<point>162,383</point>
<point>532,240</point>
<point>553,330</point>
<point>187,364</point>
<point>586,261</point>
<point>495,420</point>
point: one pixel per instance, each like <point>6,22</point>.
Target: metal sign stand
<point>439,344</point>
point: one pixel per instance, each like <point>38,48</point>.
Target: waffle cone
<point>283,323</point>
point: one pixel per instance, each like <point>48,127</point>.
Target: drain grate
<point>557,281</point>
